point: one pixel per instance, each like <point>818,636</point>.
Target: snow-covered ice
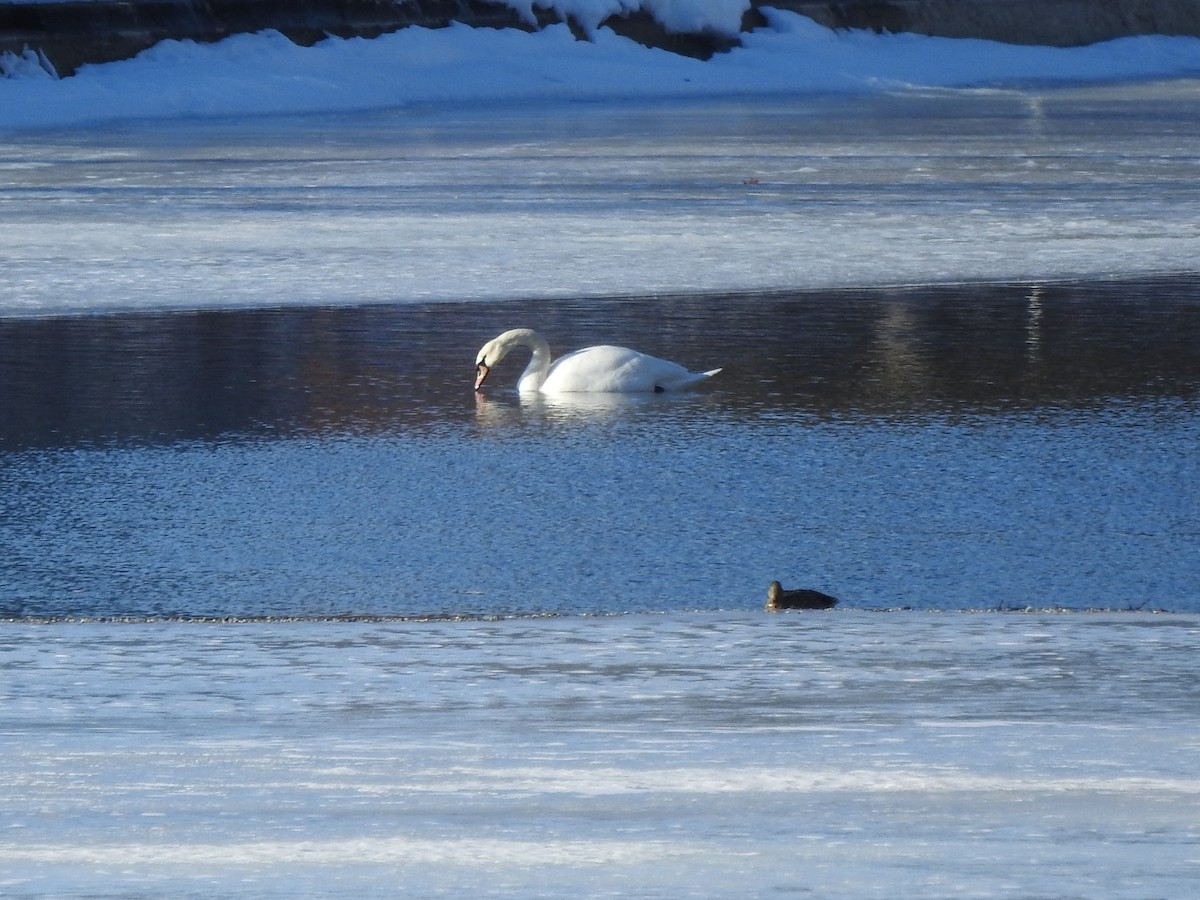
<point>690,755</point>
<point>603,199</point>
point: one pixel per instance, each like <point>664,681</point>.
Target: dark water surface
<point>972,446</point>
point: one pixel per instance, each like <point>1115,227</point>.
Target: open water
<point>948,447</point>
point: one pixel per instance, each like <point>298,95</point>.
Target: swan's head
<point>498,347</point>
<point>489,354</point>
<point>481,374</point>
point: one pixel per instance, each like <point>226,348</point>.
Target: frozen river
<point>728,755</point>
<point>601,199</point>
<point>959,332</point>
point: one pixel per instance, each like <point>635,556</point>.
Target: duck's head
<point>774,589</point>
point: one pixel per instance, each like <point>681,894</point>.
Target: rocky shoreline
<point>66,35</point>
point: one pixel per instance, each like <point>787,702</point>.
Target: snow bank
<point>267,74</point>
<point>682,16</point>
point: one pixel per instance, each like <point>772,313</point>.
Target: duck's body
<point>601,369</point>
<point>802,598</point>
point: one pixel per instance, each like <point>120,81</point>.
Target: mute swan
<point>778,598</point>
<point>592,369</point>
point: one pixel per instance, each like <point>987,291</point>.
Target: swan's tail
<point>690,379</point>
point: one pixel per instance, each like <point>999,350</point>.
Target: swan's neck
<point>535,373</point>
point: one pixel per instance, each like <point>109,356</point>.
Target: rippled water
<point>957,447</point>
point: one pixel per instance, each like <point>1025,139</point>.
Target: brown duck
<point>778,598</point>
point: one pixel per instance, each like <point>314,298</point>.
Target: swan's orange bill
<point>481,372</point>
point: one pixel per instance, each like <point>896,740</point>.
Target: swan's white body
<point>593,369</point>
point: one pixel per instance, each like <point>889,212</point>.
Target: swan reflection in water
<point>517,409</point>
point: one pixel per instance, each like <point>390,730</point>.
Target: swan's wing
<point>594,369</point>
<point>617,370</point>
